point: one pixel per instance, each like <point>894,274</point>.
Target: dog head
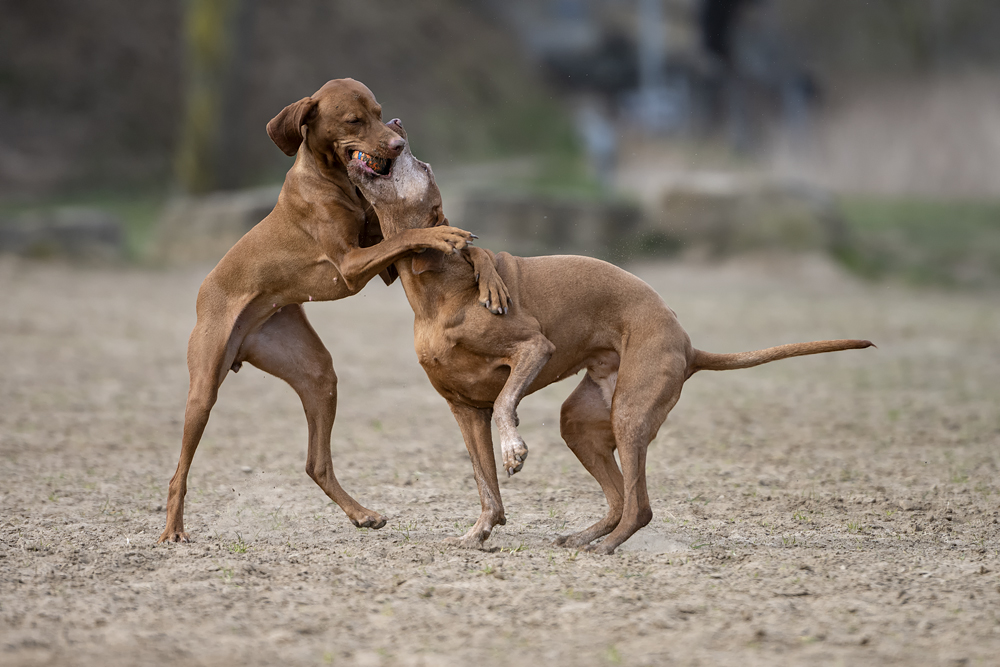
<point>341,124</point>
<point>407,197</point>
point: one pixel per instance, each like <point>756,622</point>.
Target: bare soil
<point>839,509</point>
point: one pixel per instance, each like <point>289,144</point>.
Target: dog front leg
<point>359,265</point>
<point>475,425</point>
<point>493,292</point>
<point>530,357</point>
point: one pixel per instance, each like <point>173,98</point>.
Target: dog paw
<point>599,549</point>
<point>450,239</point>
<point>514,454</point>
<point>464,542</point>
<point>370,519</point>
<point>173,536</point>
<point>563,541</point>
<point>494,296</point>
<point>479,533</point>
<point>571,541</point>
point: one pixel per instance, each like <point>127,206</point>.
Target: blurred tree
<point>212,32</point>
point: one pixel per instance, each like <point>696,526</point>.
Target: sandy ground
<point>838,509</point>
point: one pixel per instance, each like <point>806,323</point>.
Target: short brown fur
<point>320,243</point>
<point>567,314</point>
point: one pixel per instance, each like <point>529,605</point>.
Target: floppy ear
<point>372,235</point>
<point>428,260</point>
<point>438,216</point>
<point>285,129</point>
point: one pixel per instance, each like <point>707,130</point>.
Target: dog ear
<point>285,129</point>
<point>372,235</point>
<point>428,260</point>
<point>437,216</point>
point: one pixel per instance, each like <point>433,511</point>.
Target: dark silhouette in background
<point>92,96</point>
<point>717,22</point>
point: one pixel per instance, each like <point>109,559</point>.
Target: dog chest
<point>453,368</point>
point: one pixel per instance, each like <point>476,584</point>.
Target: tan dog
<point>567,314</point>
<point>312,247</point>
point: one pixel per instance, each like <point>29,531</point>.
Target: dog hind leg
<point>287,347</point>
<point>207,354</point>
<point>585,425</point>
<point>645,393</point>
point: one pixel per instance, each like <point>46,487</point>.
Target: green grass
<point>950,243</point>
<point>138,212</point>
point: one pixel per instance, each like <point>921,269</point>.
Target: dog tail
<point>710,361</point>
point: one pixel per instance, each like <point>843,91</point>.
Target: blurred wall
<point>91,94</point>
<point>884,37</point>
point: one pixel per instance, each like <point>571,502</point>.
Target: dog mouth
<point>380,166</point>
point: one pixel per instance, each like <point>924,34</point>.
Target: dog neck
<point>319,193</point>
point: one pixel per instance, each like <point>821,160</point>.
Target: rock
<point>203,229</point>
<point>530,224</point>
<point>76,232</point>
<point>732,213</point>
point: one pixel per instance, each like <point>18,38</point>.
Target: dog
<point>566,314</point>
<point>320,243</point>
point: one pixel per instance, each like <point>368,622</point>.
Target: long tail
<point>709,361</point>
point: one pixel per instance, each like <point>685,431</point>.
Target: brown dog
<point>312,247</point>
<point>567,314</point>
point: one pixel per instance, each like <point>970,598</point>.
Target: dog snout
<point>396,146</point>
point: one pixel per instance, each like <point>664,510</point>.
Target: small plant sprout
<point>404,530</point>
<point>239,546</point>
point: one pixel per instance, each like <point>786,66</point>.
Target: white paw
<point>514,453</point>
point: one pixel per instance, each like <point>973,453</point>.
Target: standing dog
<point>316,245</point>
<point>567,314</point>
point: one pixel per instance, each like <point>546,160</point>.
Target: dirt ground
<point>839,509</point>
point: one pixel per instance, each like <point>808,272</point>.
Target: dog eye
<point>353,121</point>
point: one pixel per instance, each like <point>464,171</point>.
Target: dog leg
<point>585,425</point>
<point>531,356</point>
<point>475,425</point>
<point>359,265</point>
<point>493,292</point>
<point>206,358</point>
<point>645,393</point>
<point>287,347</point>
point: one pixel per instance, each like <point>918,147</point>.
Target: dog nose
<point>396,146</point>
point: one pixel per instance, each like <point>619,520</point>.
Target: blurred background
<point>626,129</point>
